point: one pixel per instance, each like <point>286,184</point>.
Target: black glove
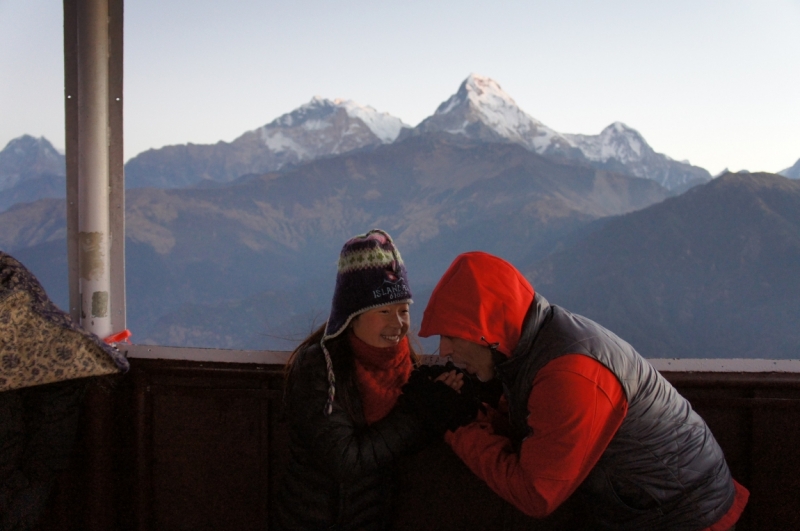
<point>439,406</point>
<point>488,392</point>
<point>434,371</point>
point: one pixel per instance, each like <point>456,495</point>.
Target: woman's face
<point>383,326</point>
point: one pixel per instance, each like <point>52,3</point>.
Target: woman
<point>353,400</point>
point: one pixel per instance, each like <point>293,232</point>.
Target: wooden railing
<point>198,445</point>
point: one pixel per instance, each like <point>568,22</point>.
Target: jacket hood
<point>479,296</point>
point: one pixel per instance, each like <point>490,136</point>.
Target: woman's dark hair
<point>312,339</point>
<point>342,358</point>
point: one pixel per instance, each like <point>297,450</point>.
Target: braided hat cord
<point>331,381</point>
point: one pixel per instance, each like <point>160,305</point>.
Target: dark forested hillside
<point>712,273</point>
<point>273,234</point>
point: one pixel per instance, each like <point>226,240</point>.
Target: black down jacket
<point>340,470</point>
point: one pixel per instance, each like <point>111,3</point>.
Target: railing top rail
<point>274,357</point>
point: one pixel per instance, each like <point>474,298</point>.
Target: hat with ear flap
<point>370,273</point>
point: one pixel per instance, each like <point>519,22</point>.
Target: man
<point>587,415</point>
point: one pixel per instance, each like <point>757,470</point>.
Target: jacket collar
<point>539,313</point>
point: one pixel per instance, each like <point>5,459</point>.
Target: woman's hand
<point>452,379</point>
<point>440,407</point>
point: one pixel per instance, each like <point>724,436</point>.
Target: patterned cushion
<point>39,343</point>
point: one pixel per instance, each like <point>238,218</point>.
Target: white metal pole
<point>94,237</point>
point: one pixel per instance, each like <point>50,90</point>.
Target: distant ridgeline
<point>793,172</point>
<point>243,256</point>
<point>711,273</point>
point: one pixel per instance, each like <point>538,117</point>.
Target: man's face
<point>476,359</point>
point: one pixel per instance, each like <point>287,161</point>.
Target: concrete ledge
<point>724,365</point>
<point>158,352</point>
<point>274,357</point>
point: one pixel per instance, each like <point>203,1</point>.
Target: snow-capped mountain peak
<point>382,124</point>
<point>617,141</point>
<point>481,93</point>
<point>622,148</point>
<point>319,128</point>
<point>481,109</point>
<point>485,99</point>
<point>319,114</point>
<point>323,127</point>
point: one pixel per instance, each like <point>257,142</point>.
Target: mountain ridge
<point>792,172</point>
<point>622,148</point>
<point>320,128</point>
<point>705,274</point>
<point>30,169</point>
<point>479,111</point>
<point>435,195</point>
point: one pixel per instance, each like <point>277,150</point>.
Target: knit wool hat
<point>370,273</point>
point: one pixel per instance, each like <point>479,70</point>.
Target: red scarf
<point>380,375</point>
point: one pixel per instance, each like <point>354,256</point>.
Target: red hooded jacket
<point>575,407</point>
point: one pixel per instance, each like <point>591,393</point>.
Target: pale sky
<point>716,82</point>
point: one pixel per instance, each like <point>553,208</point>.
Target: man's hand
<point>452,379</point>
